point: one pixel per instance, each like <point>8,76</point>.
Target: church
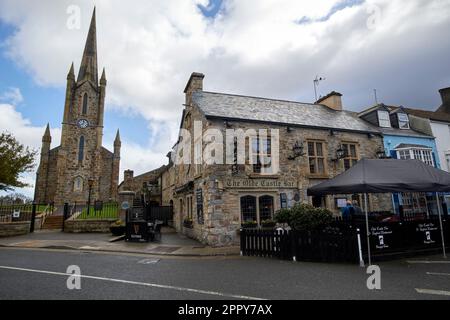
<point>67,172</point>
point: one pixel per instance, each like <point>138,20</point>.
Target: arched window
<point>265,208</point>
<point>78,184</point>
<point>81,150</point>
<point>248,209</point>
<point>85,103</point>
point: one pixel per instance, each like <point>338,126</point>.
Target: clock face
<point>83,123</point>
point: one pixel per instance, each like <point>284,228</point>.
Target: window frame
<point>388,123</point>
<point>317,157</point>
<point>348,156</point>
<point>81,147</point>
<point>257,198</point>
<point>84,104</point>
<point>258,166</point>
<point>403,121</point>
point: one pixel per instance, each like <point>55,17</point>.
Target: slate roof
<point>410,145</point>
<point>237,107</point>
<point>404,133</point>
<point>432,115</point>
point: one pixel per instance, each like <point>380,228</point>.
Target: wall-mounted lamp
<point>331,133</point>
<point>340,153</point>
<point>382,155</point>
<point>370,135</point>
<point>227,124</point>
<point>297,151</point>
<point>289,129</point>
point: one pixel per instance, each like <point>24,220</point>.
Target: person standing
<point>348,211</point>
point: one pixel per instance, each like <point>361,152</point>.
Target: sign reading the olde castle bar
<point>259,183</point>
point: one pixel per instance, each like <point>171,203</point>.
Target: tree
<point>15,159</point>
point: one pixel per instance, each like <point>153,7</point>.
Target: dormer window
<point>403,121</point>
<point>383,119</point>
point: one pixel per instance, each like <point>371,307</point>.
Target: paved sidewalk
<point>171,244</point>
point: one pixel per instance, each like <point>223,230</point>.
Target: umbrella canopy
<point>385,176</point>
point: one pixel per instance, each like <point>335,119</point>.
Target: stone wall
<point>14,229</point>
<point>88,226</point>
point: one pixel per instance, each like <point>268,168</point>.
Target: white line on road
<point>155,285</point>
<point>427,262</point>
<point>438,274</point>
<point>435,292</point>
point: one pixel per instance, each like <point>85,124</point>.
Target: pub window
<point>383,119</point>
<point>283,200</point>
<point>248,208</point>
<point>189,207</point>
<point>265,208</point>
<point>81,150</point>
<point>351,155</point>
<point>316,157</point>
<point>85,103</point>
<point>403,121</point>
<point>261,153</point>
<point>404,154</point>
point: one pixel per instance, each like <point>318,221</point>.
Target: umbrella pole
<point>440,223</point>
<point>367,229</point>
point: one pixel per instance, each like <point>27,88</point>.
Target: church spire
<point>117,141</point>
<point>71,74</point>
<point>88,67</point>
<point>47,137</point>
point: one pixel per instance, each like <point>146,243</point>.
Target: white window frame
<point>404,121</point>
<point>423,154</point>
<point>386,122</point>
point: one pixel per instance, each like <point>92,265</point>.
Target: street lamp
<point>90,184</point>
<point>340,153</point>
<point>297,151</point>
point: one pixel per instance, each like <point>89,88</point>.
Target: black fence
<point>10,213</point>
<point>338,242</point>
<point>94,210</point>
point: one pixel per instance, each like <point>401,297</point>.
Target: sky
<point>267,48</point>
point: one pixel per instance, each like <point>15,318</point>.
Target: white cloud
<point>12,95</point>
<point>149,49</point>
<point>13,122</point>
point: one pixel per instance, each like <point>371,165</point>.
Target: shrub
<point>304,217</point>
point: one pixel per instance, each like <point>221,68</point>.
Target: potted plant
<point>268,224</point>
<point>118,228</point>
<point>249,224</point>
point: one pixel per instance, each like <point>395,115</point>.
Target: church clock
<point>83,123</point>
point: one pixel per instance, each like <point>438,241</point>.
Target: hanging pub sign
<point>199,200</point>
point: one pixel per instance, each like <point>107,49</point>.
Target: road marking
<point>154,285</point>
<point>435,292</point>
<point>427,262</point>
<point>148,261</point>
<point>438,274</point>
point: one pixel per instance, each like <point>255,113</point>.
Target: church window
<point>78,184</point>
<point>81,150</point>
<point>85,103</point>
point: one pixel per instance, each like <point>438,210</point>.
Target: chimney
<point>445,96</point>
<point>128,175</point>
<point>332,100</point>
<point>195,83</point>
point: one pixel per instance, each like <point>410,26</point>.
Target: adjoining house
<point>293,146</point>
<point>439,121</point>
<point>406,136</point>
<point>147,184</point>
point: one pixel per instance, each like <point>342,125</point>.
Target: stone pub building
<point>316,142</point>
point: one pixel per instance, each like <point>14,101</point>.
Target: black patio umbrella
<point>386,176</point>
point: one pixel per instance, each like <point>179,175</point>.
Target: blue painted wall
<point>391,142</point>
